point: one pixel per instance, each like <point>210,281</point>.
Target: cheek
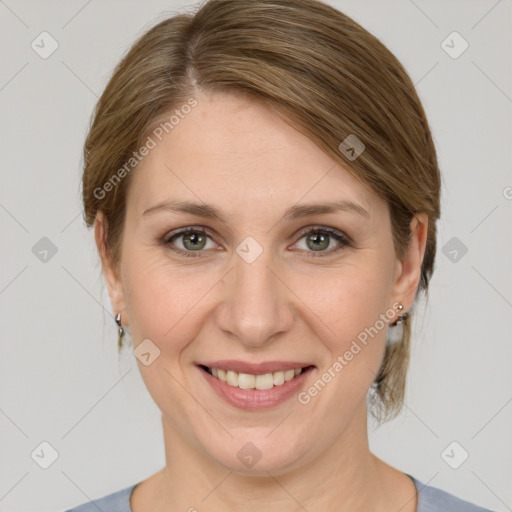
<point>356,310</point>
<point>162,306</point>
<point>354,303</point>
<point>349,301</point>
<point>164,302</point>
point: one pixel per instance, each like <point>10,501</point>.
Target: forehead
<point>235,151</point>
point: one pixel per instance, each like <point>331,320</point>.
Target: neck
<point>346,477</point>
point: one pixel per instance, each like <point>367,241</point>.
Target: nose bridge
<point>256,305</point>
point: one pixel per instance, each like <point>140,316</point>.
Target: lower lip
<point>256,399</point>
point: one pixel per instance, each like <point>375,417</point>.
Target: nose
<point>257,305</point>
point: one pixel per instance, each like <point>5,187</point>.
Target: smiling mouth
<point>260,382</point>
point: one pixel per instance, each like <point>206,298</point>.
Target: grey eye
<point>318,241</point>
<point>194,241</point>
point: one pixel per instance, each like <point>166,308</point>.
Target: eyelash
<point>344,240</point>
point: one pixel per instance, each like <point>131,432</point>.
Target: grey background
<point>61,379</point>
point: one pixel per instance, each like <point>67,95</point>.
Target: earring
<point>118,322</point>
<point>402,317</point>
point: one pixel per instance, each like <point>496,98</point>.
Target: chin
<point>258,454</point>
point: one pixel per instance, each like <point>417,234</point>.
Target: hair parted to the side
<point>314,66</point>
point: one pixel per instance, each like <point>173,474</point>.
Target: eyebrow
<point>297,211</point>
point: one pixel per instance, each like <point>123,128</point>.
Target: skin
<point>237,154</point>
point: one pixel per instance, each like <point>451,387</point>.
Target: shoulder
<point>118,501</point>
<point>431,499</point>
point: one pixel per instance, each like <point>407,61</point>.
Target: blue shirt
<point>430,499</point>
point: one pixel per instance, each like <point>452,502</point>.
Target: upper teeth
<point>248,381</point>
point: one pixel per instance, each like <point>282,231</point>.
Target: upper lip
<point>255,368</point>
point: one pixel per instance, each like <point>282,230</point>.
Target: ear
<point>408,269</point>
<point>112,277</point>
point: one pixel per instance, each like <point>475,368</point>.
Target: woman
<point>264,191</point>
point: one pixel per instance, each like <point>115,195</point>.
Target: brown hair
<point>317,68</point>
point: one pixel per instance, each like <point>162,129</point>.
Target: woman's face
<point>264,283</point>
